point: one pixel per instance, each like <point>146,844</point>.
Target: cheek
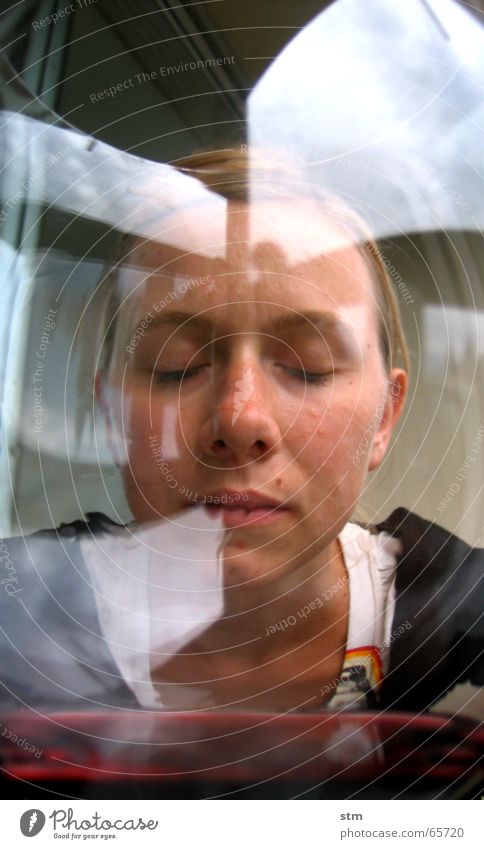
<point>166,429</point>
<point>161,443</point>
<point>330,447</point>
<point>144,422</point>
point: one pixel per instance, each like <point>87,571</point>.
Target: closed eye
<point>178,375</point>
<point>310,377</point>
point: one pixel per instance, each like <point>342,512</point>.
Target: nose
<point>241,423</point>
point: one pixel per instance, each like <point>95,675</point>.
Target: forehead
<point>282,253</point>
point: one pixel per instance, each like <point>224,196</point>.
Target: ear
<point>395,400</point>
<point>118,450</point>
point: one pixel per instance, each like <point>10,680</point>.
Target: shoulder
<point>433,556</point>
<point>46,555</point>
<point>52,646</point>
<point>415,531</point>
<point>438,589</point>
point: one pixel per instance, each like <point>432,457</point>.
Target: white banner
<point>239,824</point>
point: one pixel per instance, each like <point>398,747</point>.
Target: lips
<point>238,508</point>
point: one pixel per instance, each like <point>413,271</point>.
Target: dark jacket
<point>54,655</point>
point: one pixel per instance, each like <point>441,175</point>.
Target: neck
<point>267,620</point>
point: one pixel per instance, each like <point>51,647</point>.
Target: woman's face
<point>251,375</point>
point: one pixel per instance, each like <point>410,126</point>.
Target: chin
<point>251,564</point>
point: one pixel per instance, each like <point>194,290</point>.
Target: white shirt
<point>370,561</point>
<point>145,610</point>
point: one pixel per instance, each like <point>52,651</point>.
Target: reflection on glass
<point>248,375</point>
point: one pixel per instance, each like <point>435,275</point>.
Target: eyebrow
<point>179,318</point>
<point>313,320</point>
<point>323,321</point>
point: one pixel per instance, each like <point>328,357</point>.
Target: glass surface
<point>211,215</point>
